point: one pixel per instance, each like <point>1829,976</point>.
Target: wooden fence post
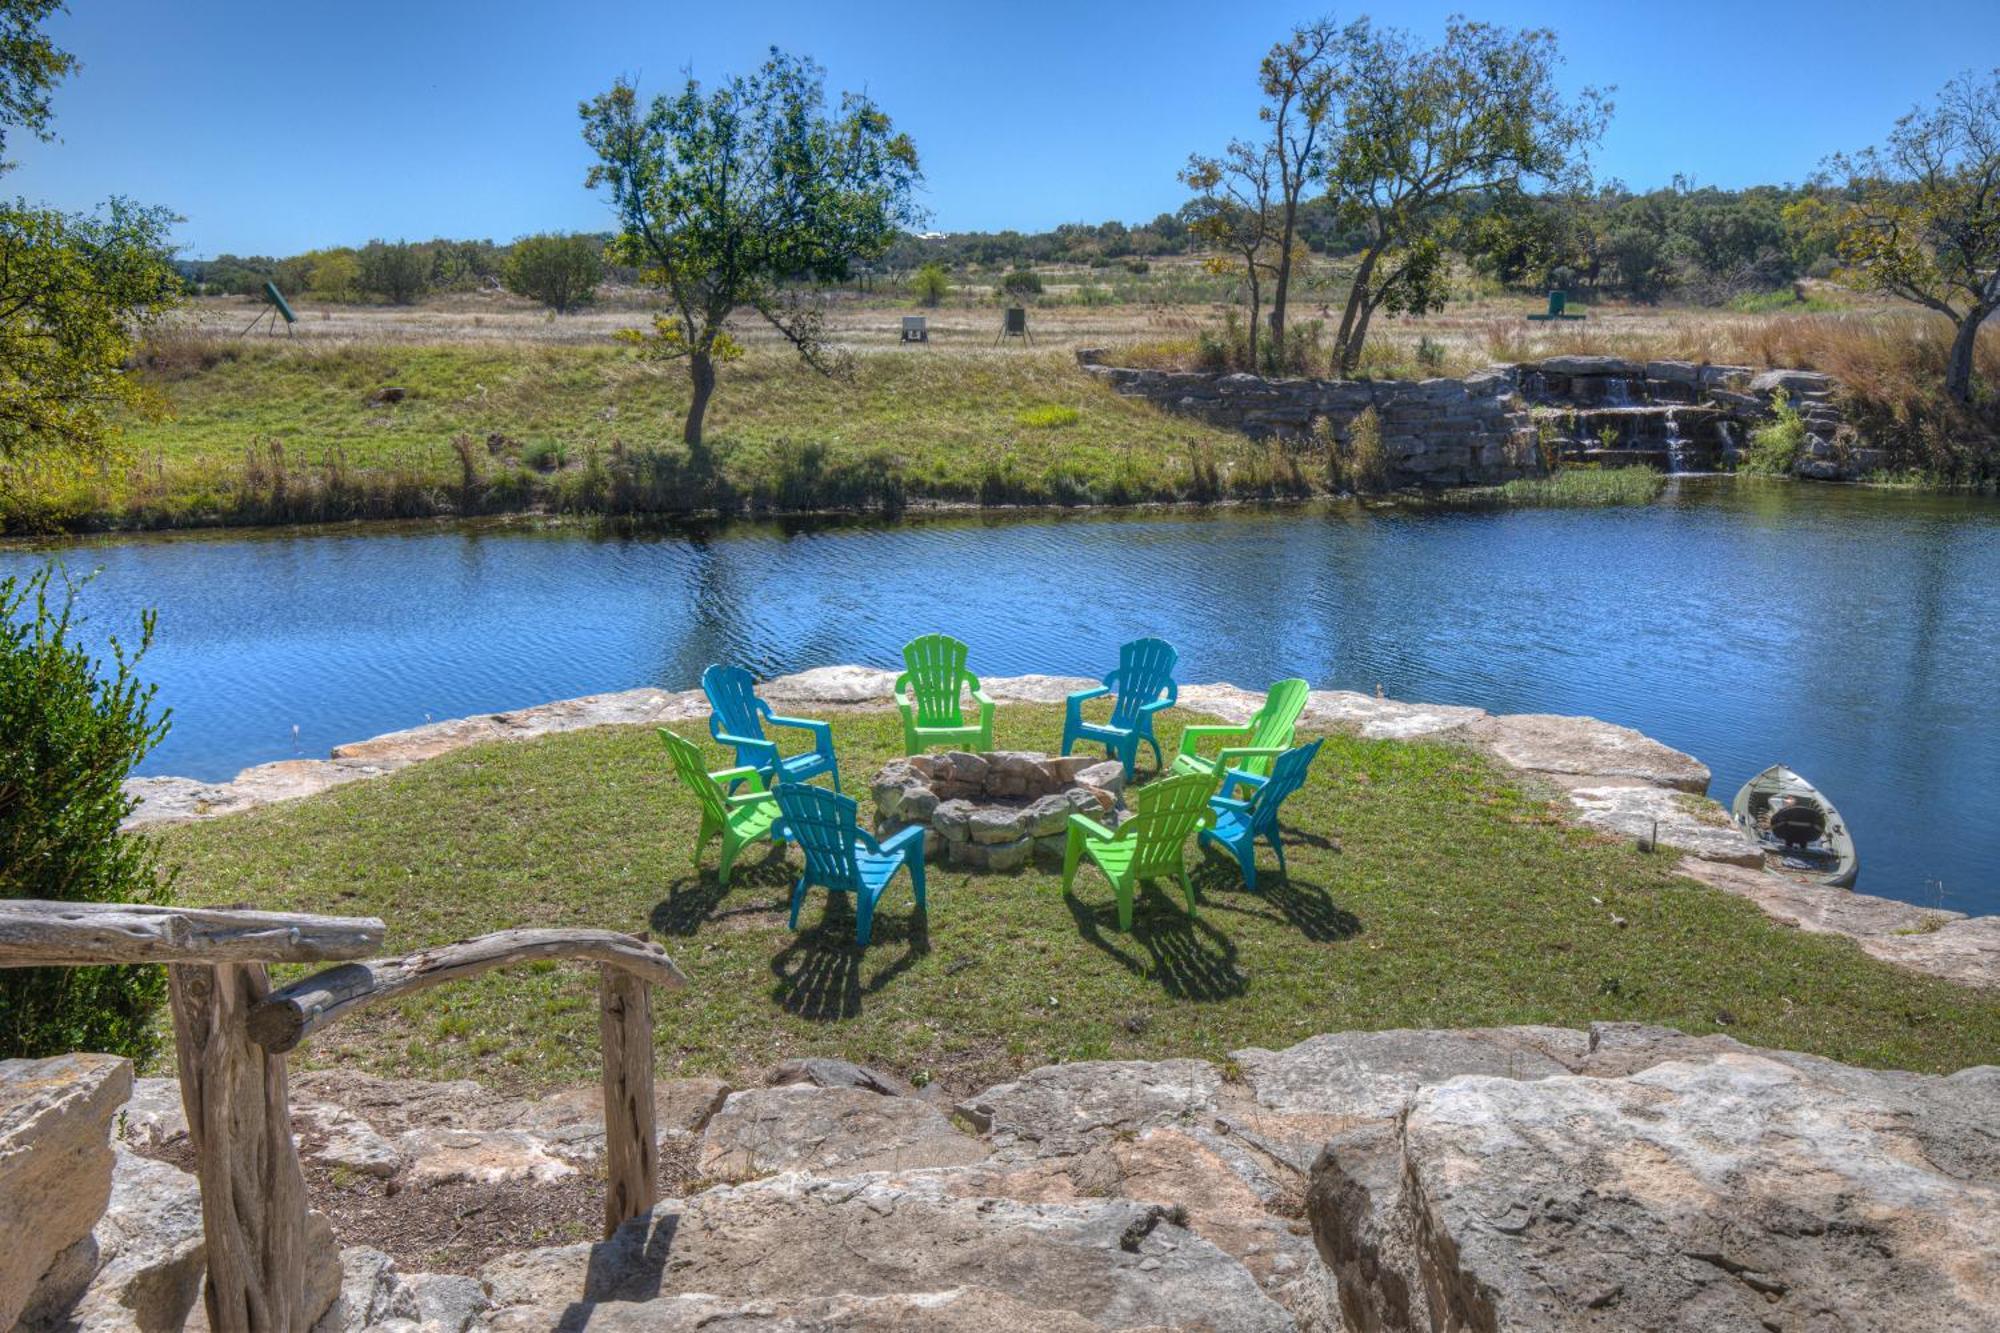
<point>253,1194</point>
<point>631,1149</point>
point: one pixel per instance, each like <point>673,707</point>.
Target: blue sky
<point>278,126</point>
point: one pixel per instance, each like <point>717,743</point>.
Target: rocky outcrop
<point>1524,1177</point>
<point>55,1169</point>
<point>147,1261</point>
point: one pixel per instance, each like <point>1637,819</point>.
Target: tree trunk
<point>1958,370</point>
<point>1256,313</point>
<point>701,369</point>
<point>631,1150</point>
<point>1282,287</point>
<point>1347,345</point>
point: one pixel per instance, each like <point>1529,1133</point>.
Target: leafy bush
<point>1775,445</point>
<point>1053,416</point>
<point>1362,463</point>
<point>69,733</point>
<point>562,272</point>
<point>545,456</point>
<point>930,284</point>
<point>1022,282</point>
<point>398,272</point>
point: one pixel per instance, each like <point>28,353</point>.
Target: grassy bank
<point>263,433</point>
<point>1426,890</point>
<point>1575,486</point>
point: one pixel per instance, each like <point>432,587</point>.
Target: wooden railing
<point>232,1031</point>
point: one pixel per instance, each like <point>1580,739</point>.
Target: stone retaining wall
<point>1495,424</point>
<point>1615,779</point>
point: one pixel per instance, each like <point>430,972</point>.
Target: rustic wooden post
<point>252,1191</point>
<point>631,1148</point>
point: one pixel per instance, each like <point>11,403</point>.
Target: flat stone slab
<point>481,1157</point>
<point>828,1130</point>
<point>1057,1107</point>
<point>1586,747</point>
<point>1678,819</point>
<point>1737,1192</point>
<point>1371,1075</point>
<point>1386,719</point>
<point>1108,1263</point>
<point>1934,941</point>
<point>150,1256</point>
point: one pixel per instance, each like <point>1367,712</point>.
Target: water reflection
<point>1848,633</point>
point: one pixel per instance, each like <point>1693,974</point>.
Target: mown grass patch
<point>1426,890</point>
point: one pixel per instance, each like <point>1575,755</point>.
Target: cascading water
<point>1617,393</point>
<point>1677,446</point>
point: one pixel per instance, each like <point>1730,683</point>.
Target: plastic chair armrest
<point>1091,828</point>
<point>1235,775</point>
<point>1237,752</point>
<point>896,841</point>
<point>1241,807</point>
<point>747,773</point>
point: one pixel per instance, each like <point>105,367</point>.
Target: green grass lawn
<point>1426,890</point>
<point>261,433</point>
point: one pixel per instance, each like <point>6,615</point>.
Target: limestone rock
<point>1793,383</point>
<point>1586,747</point>
<point>826,1130</point>
<point>55,1162</point>
<point>1682,821</point>
<point>1035,689</point>
<point>800,1240</point>
<point>831,685</point>
<point>967,1309</point>
<point>827,1072</point>
<point>1385,719</point>
<point>332,1136</point>
<point>483,1157</point>
<point>440,1302</point>
<point>150,1255</point>
<point>1737,1192</point>
<point>368,1281</point>
<point>1059,1107</point>
<point>154,1118</point>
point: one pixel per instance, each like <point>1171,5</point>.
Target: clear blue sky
<point>278,126</point>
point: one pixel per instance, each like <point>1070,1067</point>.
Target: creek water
<point>1851,633</point>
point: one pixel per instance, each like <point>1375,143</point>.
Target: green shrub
<point>545,456</point>
<point>1051,416</point>
<point>1580,486</point>
<point>1363,464</point>
<point>930,284</point>
<point>1022,282</point>
<point>69,733</point>
<point>1775,445</point>
<point>562,272</point>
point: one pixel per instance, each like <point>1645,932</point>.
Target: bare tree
<point>1233,214</point>
<point>1300,85</point>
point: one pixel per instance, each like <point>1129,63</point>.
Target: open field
<point>505,409</point>
<point>1425,891</point>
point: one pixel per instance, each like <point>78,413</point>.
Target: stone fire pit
<point>993,811</point>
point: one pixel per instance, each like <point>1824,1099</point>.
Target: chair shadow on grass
<point>820,973</point>
<point>1278,897</point>
<point>696,899</point>
<point>1188,956</point>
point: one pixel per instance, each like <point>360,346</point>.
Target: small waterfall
<point>1617,393</point>
<point>1726,432</point>
<point>1677,446</point>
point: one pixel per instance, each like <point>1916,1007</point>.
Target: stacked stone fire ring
<point>994,811</point>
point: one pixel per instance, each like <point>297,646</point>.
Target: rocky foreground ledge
<point>1627,1177</point>
<point>1616,781</point>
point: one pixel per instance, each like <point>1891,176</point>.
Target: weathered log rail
<point>232,1032</point>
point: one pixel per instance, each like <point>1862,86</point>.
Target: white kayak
<point>1800,830</point>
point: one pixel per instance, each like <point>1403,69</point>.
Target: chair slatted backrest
<point>822,823</point>
<point>935,671</point>
<point>1288,774</point>
<point>1276,720</point>
<point>1167,812</point>
<point>694,773</point>
<point>732,697</point>
<point>1145,670</point>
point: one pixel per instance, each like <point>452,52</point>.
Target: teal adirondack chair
<point>1267,734</point>
<point>1240,821</point>
<point>843,857</point>
<point>1144,682</point>
<point>934,713</point>
<point>739,820</point>
<point>737,717</point>
<point>1151,844</point>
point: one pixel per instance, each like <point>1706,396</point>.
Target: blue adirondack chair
<point>1240,821</point>
<point>1144,683</point>
<point>737,718</point>
<point>843,857</point>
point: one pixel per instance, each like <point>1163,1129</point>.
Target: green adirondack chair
<point>1268,733</point>
<point>1150,845</point>
<point>934,713</point>
<point>740,820</point>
